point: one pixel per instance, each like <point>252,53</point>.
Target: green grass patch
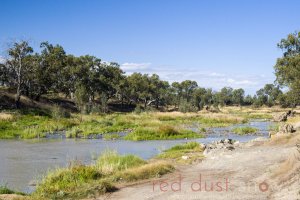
<point>110,162</point>
<point>145,126</point>
<point>244,130</point>
<point>220,121</point>
<point>259,116</point>
<point>151,170</point>
<point>5,190</point>
<point>73,183</point>
<point>32,126</point>
<point>82,181</point>
<point>163,132</point>
<point>192,150</point>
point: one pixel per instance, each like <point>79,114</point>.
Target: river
<point>24,161</point>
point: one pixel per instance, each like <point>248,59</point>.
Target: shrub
<point>138,109</point>
<point>57,112</point>
<point>185,106</point>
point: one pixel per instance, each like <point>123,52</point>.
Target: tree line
<point>92,83</point>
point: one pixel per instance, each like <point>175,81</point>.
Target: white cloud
<point>230,80</point>
<point>216,74</point>
<point>135,66</point>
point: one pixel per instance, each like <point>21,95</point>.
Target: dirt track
<point>247,170</point>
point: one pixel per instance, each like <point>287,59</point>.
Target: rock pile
<point>287,128</point>
<point>284,116</point>
<point>225,144</point>
<point>283,129</point>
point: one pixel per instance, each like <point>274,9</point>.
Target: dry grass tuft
<point>288,169</point>
<point>150,170</point>
<point>284,139</point>
<point>6,116</point>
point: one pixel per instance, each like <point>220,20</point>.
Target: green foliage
<point>244,130</point>
<point>138,109</point>
<point>82,98</point>
<point>57,112</point>
<point>185,106</point>
<point>267,96</point>
<point>287,68</point>
<point>93,84</point>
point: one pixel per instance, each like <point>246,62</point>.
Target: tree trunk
<point>18,97</point>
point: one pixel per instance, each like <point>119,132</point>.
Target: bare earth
<point>252,171</point>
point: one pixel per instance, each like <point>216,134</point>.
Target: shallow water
<point>22,161</point>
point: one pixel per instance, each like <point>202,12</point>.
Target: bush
<point>138,109</point>
<point>57,112</point>
<point>185,106</point>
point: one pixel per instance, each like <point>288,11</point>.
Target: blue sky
<point>217,43</point>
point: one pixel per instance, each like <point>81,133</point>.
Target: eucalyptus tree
<point>238,96</point>
<point>3,74</point>
<point>158,90</point>
<point>51,68</point>
<point>198,98</point>
<point>287,68</point>
<point>188,88</point>
<point>18,67</point>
